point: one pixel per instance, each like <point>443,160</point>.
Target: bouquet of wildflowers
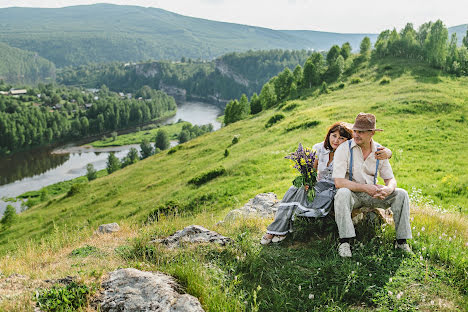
<point>303,160</point>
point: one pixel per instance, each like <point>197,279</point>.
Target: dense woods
<point>49,114</point>
<point>226,77</point>
<point>19,66</point>
<point>430,43</point>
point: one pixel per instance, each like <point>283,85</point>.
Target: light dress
<point>295,203</point>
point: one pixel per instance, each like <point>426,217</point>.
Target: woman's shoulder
<point>319,147</point>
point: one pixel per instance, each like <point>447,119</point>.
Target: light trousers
<point>346,201</point>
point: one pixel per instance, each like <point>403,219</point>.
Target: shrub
<point>385,80</point>
<point>235,139</point>
<point>290,107</point>
<point>63,298</point>
<point>146,149</point>
<point>9,216</point>
<point>356,80</point>
<point>341,85</point>
<point>75,189</point>
<point>207,176</point>
<point>171,206</point>
<point>226,153</point>
<point>324,88</point>
<point>304,125</point>
<point>91,173</point>
<point>273,119</point>
<point>162,140</point>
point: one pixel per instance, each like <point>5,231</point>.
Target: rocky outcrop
<point>263,205</point>
<point>131,290</point>
<point>226,71</point>
<point>108,228</point>
<point>193,234</point>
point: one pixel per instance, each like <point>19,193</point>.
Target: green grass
<point>138,137</point>
<point>423,113</point>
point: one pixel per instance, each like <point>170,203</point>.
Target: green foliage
<point>85,251</point>
<point>9,217</point>
<point>365,46</point>
<point>236,110</point>
<point>226,152</point>
<point>436,44</point>
<point>290,107</point>
<point>324,88</point>
<point>131,158</point>
<point>235,139</point>
<point>207,176</point>
<point>76,189</point>
<point>63,298</point>
<point>162,140</point>
<point>274,119</point>
<point>113,163</point>
<point>91,173</point>
<point>356,80</point>
<point>385,80</point>
<point>304,125</point>
<point>190,131</point>
<point>146,149</point>
<point>255,104</point>
<point>268,96</point>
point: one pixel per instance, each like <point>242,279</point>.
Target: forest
<point>50,113</point>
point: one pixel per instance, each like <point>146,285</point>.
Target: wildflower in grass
<point>399,295</point>
<point>370,274</point>
<point>303,160</point>
<point>390,293</point>
<point>299,287</point>
<point>419,234</point>
<point>311,296</point>
<point>423,228</point>
<point>390,279</point>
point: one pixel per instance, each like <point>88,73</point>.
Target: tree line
<point>57,115</point>
<point>226,77</point>
<point>430,44</point>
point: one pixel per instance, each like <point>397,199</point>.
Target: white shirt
<point>363,170</point>
<point>323,156</point>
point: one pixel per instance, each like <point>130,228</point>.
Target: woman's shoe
<point>265,240</point>
<point>278,239</point>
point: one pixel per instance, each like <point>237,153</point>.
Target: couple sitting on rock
<point>349,160</point>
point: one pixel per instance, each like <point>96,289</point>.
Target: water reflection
<point>28,164</point>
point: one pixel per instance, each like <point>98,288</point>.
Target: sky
<point>344,16</point>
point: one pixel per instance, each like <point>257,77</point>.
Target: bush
<point>63,298</point>
<point>273,119</point>
<point>85,251</point>
<point>235,139</point>
<point>304,125</point>
<point>75,189</point>
<point>290,107</point>
<point>9,216</point>
<point>207,176</point>
<point>356,80</point>
<point>91,173</point>
<point>324,88</point>
<point>385,80</point>
<point>226,153</point>
<point>146,149</point>
<point>341,85</point>
<point>162,140</point>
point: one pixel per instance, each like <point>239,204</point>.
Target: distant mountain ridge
<point>106,33</point>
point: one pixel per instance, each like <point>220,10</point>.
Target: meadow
<point>423,112</point>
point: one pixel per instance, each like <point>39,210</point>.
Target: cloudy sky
<point>347,16</point>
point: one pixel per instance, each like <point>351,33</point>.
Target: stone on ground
<point>263,205</point>
<point>131,290</point>
<point>108,228</point>
<point>193,234</point>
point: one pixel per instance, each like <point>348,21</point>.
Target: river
<point>32,170</point>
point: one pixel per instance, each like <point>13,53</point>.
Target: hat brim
<point>358,129</point>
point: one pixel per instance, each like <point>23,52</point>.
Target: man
<point>355,174</point>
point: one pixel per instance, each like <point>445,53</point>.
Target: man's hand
<point>383,153</point>
<point>383,191</point>
<point>370,189</point>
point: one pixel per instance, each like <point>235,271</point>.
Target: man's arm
<point>356,187</point>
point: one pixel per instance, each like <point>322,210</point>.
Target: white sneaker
<point>344,250</point>
<point>278,239</point>
<point>265,240</point>
<point>405,247</point>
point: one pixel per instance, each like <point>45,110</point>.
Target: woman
<point>294,202</point>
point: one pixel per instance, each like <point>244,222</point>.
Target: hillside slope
<point>20,66</point>
<point>423,114</point>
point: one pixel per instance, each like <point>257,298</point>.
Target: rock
<point>193,234</point>
<point>376,216</point>
<point>108,228</point>
<point>263,205</point>
<point>128,290</point>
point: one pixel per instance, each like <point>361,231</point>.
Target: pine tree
<point>9,217</point>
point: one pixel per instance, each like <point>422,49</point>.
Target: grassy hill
<point>423,112</point>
